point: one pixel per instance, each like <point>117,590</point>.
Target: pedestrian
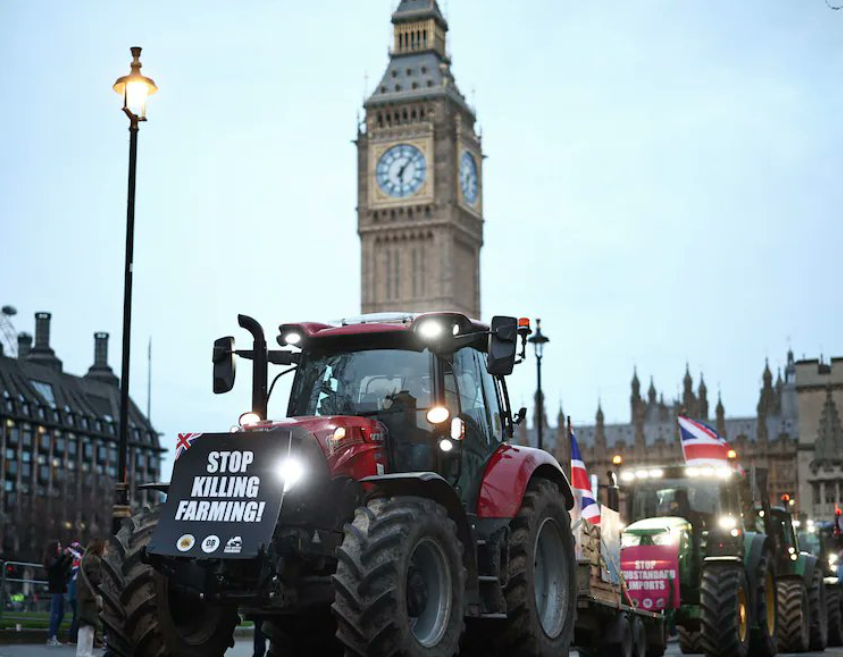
<point>87,594</point>
<point>57,563</point>
<point>260,639</point>
<point>77,551</point>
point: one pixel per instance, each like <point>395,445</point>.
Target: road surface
<point>243,648</point>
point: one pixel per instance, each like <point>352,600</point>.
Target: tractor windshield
<point>373,382</point>
<point>696,500</point>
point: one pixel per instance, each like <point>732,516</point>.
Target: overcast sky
<point>663,182</point>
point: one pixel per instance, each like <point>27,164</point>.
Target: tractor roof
<point>378,323</point>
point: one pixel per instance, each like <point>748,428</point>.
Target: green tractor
<point>824,541</point>
<point>727,604</point>
<point>803,620</point>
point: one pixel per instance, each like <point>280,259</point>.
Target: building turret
<point>651,393</point>
<point>721,417</point>
<point>600,435</point>
<point>828,448</point>
<point>702,404</point>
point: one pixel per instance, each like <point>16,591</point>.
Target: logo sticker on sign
<point>186,543</point>
<point>210,544</point>
<point>234,545</point>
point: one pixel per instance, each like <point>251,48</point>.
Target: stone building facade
<point>420,177</point>
<point>58,447</point>
<point>769,439</point>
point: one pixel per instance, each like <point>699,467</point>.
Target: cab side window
<point>493,403</point>
<point>472,397</point>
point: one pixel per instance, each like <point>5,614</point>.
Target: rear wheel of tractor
<point>309,634</point>
<point>144,616</point>
<point>724,598</point>
<point>625,647</point>
<point>819,617</point>
<point>764,639</point>
<point>689,641</point>
<point>400,582</point>
<point>794,628</point>
<point>833,602</point>
<point>541,592</point>
<point>639,638</point>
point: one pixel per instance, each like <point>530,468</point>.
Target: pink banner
<point>652,575</point>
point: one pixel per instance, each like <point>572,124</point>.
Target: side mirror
<point>503,344</point>
<point>223,365</point>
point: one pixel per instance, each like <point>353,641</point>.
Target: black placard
<point>225,496</point>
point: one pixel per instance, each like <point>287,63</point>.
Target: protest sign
<point>652,575</point>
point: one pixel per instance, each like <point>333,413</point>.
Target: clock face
<point>468,177</point>
<point>401,171</point>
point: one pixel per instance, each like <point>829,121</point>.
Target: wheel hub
<point>429,593</point>
<point>743,621</point>
<point>550,578</point>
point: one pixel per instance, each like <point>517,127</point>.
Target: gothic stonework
<point>420,183</point>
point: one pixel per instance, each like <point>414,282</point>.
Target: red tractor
<point>388,514</point>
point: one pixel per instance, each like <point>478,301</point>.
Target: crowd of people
<point>73,577</point>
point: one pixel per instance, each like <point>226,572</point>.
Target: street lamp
<point>135,89</point>
<point>539,340</point>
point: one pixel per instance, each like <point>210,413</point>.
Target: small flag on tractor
<point>184,442</point>
<point>701,445</point>
<point>588,507</point>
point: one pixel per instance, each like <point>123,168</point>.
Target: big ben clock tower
<point>420,183</point>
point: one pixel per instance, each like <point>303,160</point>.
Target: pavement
<point>243,648</point>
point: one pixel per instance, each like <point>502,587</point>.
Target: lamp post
<point>539,340</point>
<point>135,89</point>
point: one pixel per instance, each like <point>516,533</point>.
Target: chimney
<point>24,345</point>
<point>42,353</point>
<point>101,370</point>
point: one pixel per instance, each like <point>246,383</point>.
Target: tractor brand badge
<point>234,545</point>
<point>210,544</point>
<point>186,542</point>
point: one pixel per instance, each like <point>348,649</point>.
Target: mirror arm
<point>259,364</point>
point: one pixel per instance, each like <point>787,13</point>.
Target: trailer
<point>607,621</point>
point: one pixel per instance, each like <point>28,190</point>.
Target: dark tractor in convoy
<point>803,620</point>
<point>387,514</point>
<point>823,539</point>
<point>726,567</point>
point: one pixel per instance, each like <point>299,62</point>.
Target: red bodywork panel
<point>506,478</point>
<point>357,455</point>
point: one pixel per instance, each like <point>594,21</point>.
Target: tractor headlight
<point>727,522</point>
<point>664,539</point>
<point>832,560</point>
<point>431,329</point>
<point>291,471</point>
<point>438,415</point>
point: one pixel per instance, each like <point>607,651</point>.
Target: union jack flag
<point>588,507</point>
<point>184,442</point>
<point>701,445</point>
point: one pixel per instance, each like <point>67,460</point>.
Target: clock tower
<point>420,183</point>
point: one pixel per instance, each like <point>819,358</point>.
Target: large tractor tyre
<point>624,647</point>
<point>656,647</point>
<point>794,626</point>
<point>541,589</point>
<point>819,613</point>
<point>639,638</point>
<point>833,601</point>
<point>689,641</point>
<point>313,633</point>
<point>144,616</point>
<point>725,622</point>
<point>400,582</point>
<point>764,638</point>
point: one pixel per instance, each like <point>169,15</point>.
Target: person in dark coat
<point>88,596</point>
<point>57,563</point>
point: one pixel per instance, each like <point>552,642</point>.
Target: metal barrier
<point>24,595</point>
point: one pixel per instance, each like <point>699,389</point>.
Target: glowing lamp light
<point>617,459</point>
<point>727,522</point>
<point>339,434</point>
<point>446,445</point>
<point>431,329</point>
<point>135,89</point>
<point>249,418</point>
<point>438,415</point>
<point>731,455</point>
<point>457,429</point>
<point>293,338</point>
<point>291,471</point>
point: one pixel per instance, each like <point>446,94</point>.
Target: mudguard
<point>433,487</point>
<point>227,492</point>
<point>507,475</point>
